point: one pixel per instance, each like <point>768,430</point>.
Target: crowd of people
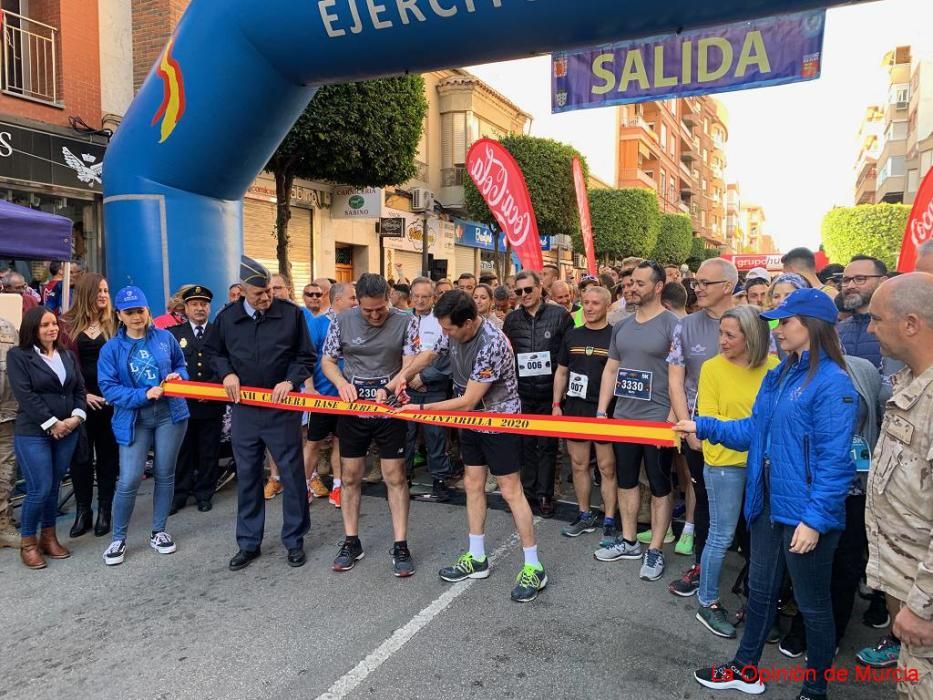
<point>805,402</point>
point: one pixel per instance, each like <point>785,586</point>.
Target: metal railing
<point>453,177</point>
<point>30,59</point>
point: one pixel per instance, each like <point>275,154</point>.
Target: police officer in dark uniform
<point>196,472</point>
<point>258,341</point>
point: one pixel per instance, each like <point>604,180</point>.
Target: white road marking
<point>351,680</point>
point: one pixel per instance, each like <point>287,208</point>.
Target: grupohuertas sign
<point>355,203</point>
<point>738,56</point>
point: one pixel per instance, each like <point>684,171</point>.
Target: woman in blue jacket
<point>799,440</point>
<point>131,368</point>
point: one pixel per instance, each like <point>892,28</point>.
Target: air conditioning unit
<point>579,261</point>
<point>422,199</point>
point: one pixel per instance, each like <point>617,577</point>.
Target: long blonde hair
<point>84,312</point>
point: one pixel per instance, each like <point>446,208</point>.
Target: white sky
<point>792,148</point>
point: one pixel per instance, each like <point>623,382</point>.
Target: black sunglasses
<point>314,295</point>
<point>521,291</point>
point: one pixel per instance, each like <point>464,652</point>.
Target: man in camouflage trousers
<point>899,514</point>
<point>9,537</point>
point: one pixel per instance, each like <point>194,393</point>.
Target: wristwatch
<point>601,414</point>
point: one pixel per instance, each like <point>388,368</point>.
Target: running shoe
<point>652,567</point>
<point>162,543</point>
<point>585,523</point>
<point>877,614</point>
<point>317,487</point>
<point>350,553</point>
<point>730,676</point>
<point>688,584</point>
<point>610,534</point>
<point>793,645</point>
<point>272,489</point>
<point>620,549</point>
<point>529,582</point>
<point>714,618</point>
<point>684,545</point>
<point>466,567</point>
<point>645,537</point>
<point>115,553</point>
<point>883,654</point>
<point>403,565</point>
<point>334,498</point>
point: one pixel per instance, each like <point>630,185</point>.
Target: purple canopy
<point>27,234</point>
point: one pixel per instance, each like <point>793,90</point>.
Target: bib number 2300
<point>534,364</point>
<point>633,384</point>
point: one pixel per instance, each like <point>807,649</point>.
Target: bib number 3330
<point>633,384</point>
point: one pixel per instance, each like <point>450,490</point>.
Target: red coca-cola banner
<point>919,225</point>
<point>500,181</point>
<point>586,224</point>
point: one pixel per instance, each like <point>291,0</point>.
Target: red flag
<point>586,224</point>
<point>500,181</point>
<point>919,225</point>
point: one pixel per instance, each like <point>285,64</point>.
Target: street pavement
<point>183,626</point>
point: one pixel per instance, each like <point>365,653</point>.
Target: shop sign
<point>355,203</point>
<point>49,159</point>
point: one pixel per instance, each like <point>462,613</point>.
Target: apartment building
<point>919,128</point>
<point>677,148</point>
<point>869,140</point>
<point>891,178</point>
<point>753,222</point>
<point>734,231</point>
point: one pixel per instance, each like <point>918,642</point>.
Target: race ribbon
<point>601,430</point>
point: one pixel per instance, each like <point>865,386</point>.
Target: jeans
<point>153,429</point>
<point>725,487</point>
<point>435,440</point>
<point>43,462</point>
<point>810,574</point>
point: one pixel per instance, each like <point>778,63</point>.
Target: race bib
<point>861,454</point>
<point>366,387</point>
<point>534,364</point>
<point>633,384</point>
<point>577,386</point>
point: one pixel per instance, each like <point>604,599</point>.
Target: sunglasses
<point>520,291</point>
<point>314,295</point>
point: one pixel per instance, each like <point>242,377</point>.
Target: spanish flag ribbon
<point>602,430</point>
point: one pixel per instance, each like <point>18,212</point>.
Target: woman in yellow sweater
<point>728,386</point>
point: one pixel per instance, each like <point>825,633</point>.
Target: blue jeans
<point>810,573</point>
<point>43,462</point>
<point>154,428</point>
<point>725,487</point>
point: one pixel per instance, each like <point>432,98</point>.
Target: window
<point>895,166</point>
<point>30,58</point>
<point>663,187</point>
<point>453,139</point>
<point>664,137</point>
<point>926,159</point>
<point>899,94</point>
<point>896,131</point>
<point>913,180</point>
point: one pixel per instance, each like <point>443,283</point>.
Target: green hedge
<point>625,222</point>
<point>868,229</point>
<point>674,240</point>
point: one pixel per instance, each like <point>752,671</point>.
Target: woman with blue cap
<point>132,366</point>
<point>799,440</point>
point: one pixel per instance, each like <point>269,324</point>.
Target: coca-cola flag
<point>919,225</point>
<point>500,181</point>
<point>586,224</point>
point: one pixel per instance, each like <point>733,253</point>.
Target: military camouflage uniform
<point>8,339</point>
<point>899,514</point>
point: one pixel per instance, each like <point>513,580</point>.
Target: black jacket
<point>198,357</point>
<point>544,331</point>
<point>40,394</point>
<point>263,353</point>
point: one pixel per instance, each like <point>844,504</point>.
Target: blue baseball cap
<point>805,302</point>
<point>130,298</point>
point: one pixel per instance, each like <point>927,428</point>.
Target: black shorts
<point>321,425</point>
<point>501,452</point>
<point>355,435</point>
<point>578,408</point>
<point>658,462</point>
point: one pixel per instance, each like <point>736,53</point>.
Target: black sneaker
<point>877,614</point>
<point>439,493</point>
<point>349,554</point>
<point>730,676</point>
<point>585,523</point>
<point>115,553</point>
<point>466,567</point>
<point>402,564</point>
<point>529,582</point>
<point>792,646</point>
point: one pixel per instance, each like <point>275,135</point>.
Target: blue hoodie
<point>117,386</point>
<point>805,428</point>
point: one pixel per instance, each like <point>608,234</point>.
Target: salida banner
<point>738,56</point>
<point>499,180</point>
<point>919,225</point>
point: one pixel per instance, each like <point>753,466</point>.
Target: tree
<point>362,134</point>
<point>548,169</point>
<point>625,222</point>
<point>674,240</point>
<point>868,229</point>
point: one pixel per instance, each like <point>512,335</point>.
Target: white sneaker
<point>162,543</point>
<point>620,549</point>
<point>652,567</point>
<point>115,553</point>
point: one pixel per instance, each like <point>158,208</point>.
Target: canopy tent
<point>29,234</point>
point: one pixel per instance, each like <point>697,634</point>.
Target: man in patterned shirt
<point>483,372</point>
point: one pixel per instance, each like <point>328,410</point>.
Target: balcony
<point>453,177</point>
<point>687,188</point>
<point>30,59</point>
<point>683,206</point>
<point>689,149</point>
<point>717,172</point>
<point>636,177</point>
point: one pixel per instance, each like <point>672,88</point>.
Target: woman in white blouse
<point>483,298</point>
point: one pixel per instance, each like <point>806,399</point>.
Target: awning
<point>28,234</point>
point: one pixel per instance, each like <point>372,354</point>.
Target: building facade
<point>869,140</point>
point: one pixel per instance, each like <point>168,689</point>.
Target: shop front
<point>58,172</point>
<point>476,249</point>
<point>406,250</point>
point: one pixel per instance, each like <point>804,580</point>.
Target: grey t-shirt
<point>696,339</point>
<point>371,355</point>
<point>641,350</point>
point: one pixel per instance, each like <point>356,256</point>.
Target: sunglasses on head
<point>520,291</point>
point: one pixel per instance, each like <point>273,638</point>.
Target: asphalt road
<point>183,626</point>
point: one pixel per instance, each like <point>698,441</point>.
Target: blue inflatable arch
<point>237,74</point>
